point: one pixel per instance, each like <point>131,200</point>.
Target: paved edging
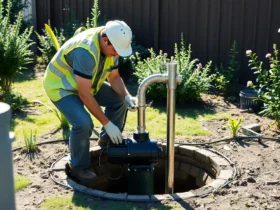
<point>210,170</point>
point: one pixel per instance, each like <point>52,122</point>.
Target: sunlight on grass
<point>21,182</point>
<point>81,202</point>
<point>43,120</point>
<point>188,121</point>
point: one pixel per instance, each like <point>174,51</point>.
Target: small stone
<point>251,180</point>
<point>17,158</point>
<point>234,191</point>
<point>44,176</point>
<point>226,148</point>
<point>244,183</point>
<point>275,196</point>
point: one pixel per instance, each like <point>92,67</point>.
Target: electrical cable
<point>164,141</point>
<point>99,162</point>
<point>110,178</point>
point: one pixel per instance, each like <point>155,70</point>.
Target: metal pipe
<point>7,194</point>
<point>141,94</point>
<point>171,88</point>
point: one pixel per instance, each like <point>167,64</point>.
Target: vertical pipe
<point>171,87</point>
<point>7,195</point>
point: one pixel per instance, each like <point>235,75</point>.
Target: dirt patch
<point>256,186</point>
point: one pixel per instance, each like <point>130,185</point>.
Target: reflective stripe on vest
<point>59,78</point>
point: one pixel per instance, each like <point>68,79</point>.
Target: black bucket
<point>249,99</point>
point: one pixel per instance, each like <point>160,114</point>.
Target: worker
<point>75,79</point>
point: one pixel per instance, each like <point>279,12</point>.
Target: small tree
<point>14,49</point>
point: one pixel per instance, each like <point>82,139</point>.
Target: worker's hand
<point>132,102</point>
<point>113,132</point>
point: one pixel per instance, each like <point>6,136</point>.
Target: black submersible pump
<point>141,153</point>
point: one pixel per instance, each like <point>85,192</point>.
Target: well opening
<point>189,172</point>
<point>197,172</point>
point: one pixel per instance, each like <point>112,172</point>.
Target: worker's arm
<point>84,86</point>
<point>117,83</point>
<point>119,87</point>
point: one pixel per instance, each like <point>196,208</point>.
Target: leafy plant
<point>95,13</point>
<point>234,125</point>
<point>50,42</point>
<point>30,141</point>
<point>268,85</point>
<point>225,78</point>
<point>18,6</point>
<point>16,101</point>
<point>14,49</point>
<point>195,77</point>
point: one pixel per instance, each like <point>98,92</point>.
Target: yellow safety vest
<point>59,78</point>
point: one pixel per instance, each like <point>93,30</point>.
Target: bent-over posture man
<point>75,79</point>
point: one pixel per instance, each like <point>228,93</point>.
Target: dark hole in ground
<point>121,185</point>
<point>159,185</point>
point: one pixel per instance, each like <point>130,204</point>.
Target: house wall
<point>210,26</point>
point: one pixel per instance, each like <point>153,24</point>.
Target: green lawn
<point>81,202</point>
<point>188,120</point>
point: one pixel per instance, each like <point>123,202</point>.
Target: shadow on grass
<point>89,202</point>
<point>25,118</point>
<point>26,74</point>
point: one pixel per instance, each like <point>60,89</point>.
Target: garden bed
<point>257,184</point>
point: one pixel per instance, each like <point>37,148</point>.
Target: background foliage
<point>268,83</point>
<point>196,79</point>
<point>15,52</point>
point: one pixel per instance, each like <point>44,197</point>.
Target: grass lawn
<point>188,120</point>
<point>80,202</point>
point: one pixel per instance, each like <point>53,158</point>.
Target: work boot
<point>84,176</point>
<point>102,143</point>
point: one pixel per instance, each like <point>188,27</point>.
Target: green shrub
<point>14,49</point>
<point>196,79</point>
<point>268,85</point>
<point>16,101</point>
<point>46,44</point>
<point>225,79</point>
<point>18,6</point>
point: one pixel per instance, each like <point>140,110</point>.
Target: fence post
<point>7,193</point>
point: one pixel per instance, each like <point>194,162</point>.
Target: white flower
<point>268,55</point>
<point>199,66</point>
<point>249,83</point>
<point>248,52</point>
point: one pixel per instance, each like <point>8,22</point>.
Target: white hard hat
<point>120,35</point>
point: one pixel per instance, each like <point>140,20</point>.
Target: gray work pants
<point>73,109</point>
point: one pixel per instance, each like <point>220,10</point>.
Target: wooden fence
<point>210,26</point>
